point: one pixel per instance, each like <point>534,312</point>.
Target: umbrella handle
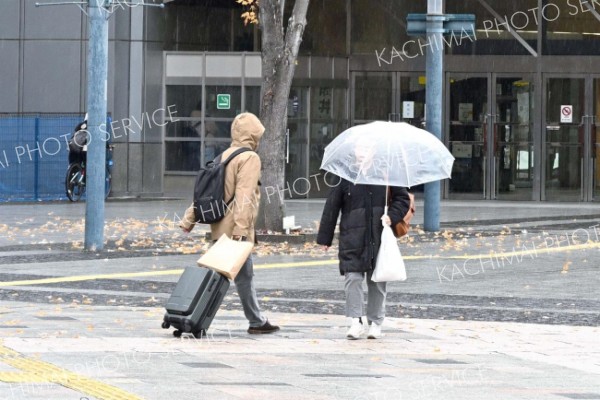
<point>387,193</point>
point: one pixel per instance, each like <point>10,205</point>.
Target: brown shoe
<point>265,328</point>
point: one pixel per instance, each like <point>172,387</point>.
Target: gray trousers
<point>245,288</point>
<point>355,297</point>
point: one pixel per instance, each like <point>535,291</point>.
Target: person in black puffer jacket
<point>362,208</point>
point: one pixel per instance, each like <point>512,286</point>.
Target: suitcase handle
<point>212,285</point>
<point>212,308</point>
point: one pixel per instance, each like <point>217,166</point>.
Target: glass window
<point>413,90</point>
<point>253,99</point>
<point>571,27</point>
<point>297,148</point>
<point>243,35</point>
<point>321,134</point>
<point>213,148</point>
<point>218,129</point>
<point>381,24</point>
<point>325,33</point>
<point>187,99</point>
<point>198,27</point>
<point>492,36</point>
<point>223,101</point>
<point>182,156</point>
<point>322,103</point>
<point>184,129</point>
<point>340,109</point>
<point>373,96</point>
<point>298,102</point>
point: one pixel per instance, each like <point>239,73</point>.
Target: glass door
<point>595,140</point>
<point>565,131</point>
<point>412,99</point>
<point>296,151</point>
<point>513,140</point>
<point>468,127</point>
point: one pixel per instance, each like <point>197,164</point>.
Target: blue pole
<point>434,106</point>
<point>97,72</point>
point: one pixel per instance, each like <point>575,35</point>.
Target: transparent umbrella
<point>388,153</point>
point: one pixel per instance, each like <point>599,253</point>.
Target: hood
<point>246,131</point>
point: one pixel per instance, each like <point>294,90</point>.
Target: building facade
<point>521,98</point>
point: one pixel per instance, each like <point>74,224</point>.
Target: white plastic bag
<point>390,265</point>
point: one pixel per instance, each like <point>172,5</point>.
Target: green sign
<point>223,101</point>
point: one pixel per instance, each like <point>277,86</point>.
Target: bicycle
<point>76,173</point>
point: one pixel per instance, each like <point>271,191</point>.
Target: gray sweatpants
<point>245,288</point>
<point>355,297</point>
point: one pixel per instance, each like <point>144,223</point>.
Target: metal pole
<point>97,71</point>
<point>434,100</point>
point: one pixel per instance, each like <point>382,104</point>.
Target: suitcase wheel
<point>177,333</point>
<point>199,334</point>
<point>166,325</point>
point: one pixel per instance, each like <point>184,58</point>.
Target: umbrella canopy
<point>388,153</point>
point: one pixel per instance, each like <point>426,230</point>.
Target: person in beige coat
<point>242,176</point>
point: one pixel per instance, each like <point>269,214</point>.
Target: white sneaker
<point>375,331</point>
<point>356,329</point>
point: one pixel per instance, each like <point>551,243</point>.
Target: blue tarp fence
<point>34,155</point>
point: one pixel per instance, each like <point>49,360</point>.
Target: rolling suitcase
<point>195,301</point>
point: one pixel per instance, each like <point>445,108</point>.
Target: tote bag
<point>390,265</point>
<point>226,256</point>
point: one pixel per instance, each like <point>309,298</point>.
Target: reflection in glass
<point>184,129</point>
<point>187,99</point>
<point>298,102</point>
<point>182,156</point>
<point>213,148</point>
<point>218,129</point>
<point>468,108</point>
<point>513,139</point>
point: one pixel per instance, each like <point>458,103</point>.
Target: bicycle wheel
<point>74,184</point>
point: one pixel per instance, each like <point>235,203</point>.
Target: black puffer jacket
<point>362,207</point>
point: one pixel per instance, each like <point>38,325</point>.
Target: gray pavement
<point>502,303</point>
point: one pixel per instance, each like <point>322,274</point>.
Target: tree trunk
<point>279,55</point>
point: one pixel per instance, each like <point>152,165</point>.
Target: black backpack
<point>209,191</point>
<point>76,144</point>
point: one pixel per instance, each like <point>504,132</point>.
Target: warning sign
<point>566,114</point>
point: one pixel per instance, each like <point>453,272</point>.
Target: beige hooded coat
<point>241,182</point>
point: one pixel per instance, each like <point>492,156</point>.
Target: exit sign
<point>223,101</point>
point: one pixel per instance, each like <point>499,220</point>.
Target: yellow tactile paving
<point>37,371</point>
<point>21,377</point>
<point>6,352</point>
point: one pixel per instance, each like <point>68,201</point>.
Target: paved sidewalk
<point>126,355</point>
<point>503,303</point>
